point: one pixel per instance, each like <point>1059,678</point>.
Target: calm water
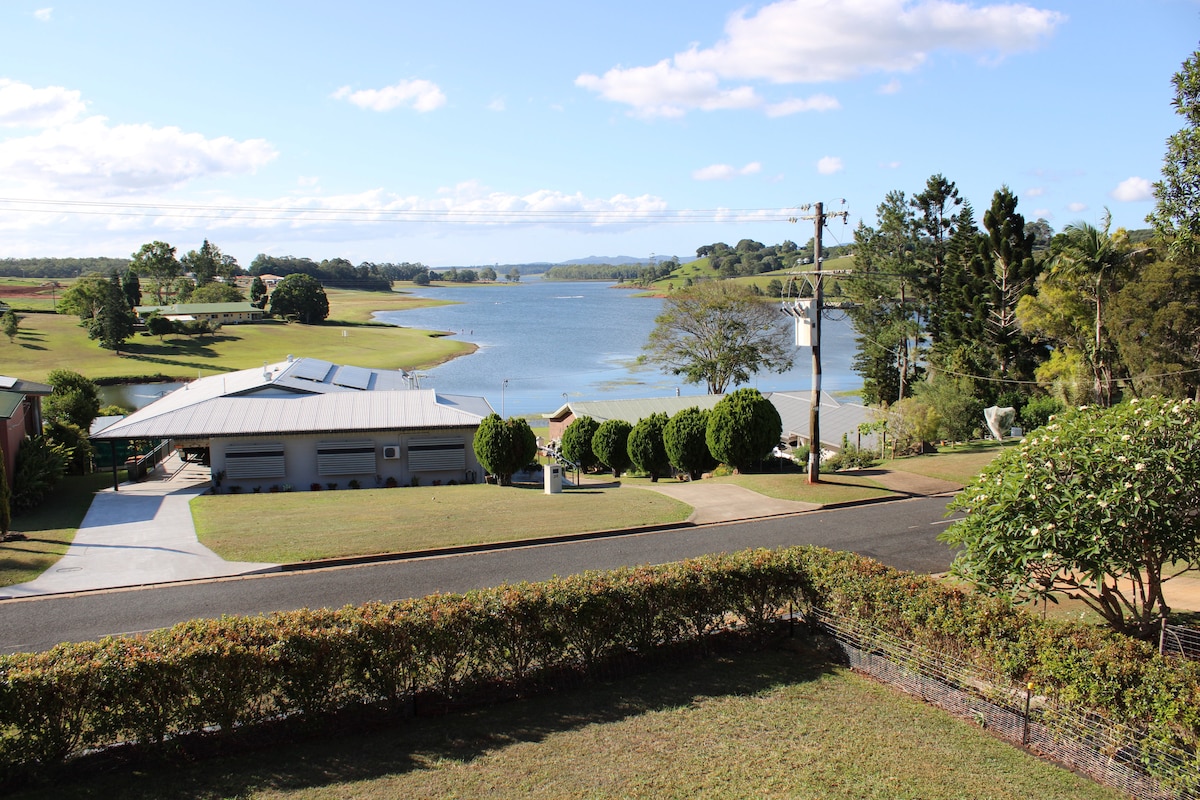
<point>541,340</point>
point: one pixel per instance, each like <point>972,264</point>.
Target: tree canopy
<point>684,437</point>
<point>647,451</point>
<point>610,443</point>
<point>301,296</point>
<point>577,442</point>
<point>1100,505</point>
<point>1176,216</point>
<point>504,446</point>
<point>719,333</point>
<point>743,428</point>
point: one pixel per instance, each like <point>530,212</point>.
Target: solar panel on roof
<point>353,378</point>
<point>7,382</point>
<point>311,369</point>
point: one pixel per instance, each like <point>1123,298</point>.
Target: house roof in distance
<point>298,395</point>
<point>175,309</point>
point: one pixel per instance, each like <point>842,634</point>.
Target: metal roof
<point>11,384</point>
<point>339,412</point>
<point>296,396</point>
<point>198,308</point>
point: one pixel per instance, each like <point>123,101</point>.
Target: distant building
<point>305,422</point>
<point>224,313</point>
<point>21,415</point>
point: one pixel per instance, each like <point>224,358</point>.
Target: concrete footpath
<point>140,534</point>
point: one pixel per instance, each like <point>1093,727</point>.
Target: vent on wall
<point>391,451</point>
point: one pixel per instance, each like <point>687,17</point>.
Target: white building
<point>308,424</point>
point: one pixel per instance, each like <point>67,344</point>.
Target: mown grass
<point>49,529</point>
<point>773,724</point>
<point>47,341</point>
<point>958,464</point>
<point>838,487</point>
<point>303,526</point>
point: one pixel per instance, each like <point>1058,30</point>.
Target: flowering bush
<point>1099,504</point>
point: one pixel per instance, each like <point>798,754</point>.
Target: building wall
<point>26,420</point>
<point>301,461</point>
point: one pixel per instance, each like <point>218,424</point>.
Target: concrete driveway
<point>140,534</point>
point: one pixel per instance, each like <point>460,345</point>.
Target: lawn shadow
<point>334,758</point>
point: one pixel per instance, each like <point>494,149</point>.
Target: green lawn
<point>774,724</point>
<point>47,341</point>
<point>303,526</point>
<point>958,464</point>
<point>839,487</point>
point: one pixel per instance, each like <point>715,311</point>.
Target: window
<point>346,458</point>
<point>432,455</point>
<point>259,460</point>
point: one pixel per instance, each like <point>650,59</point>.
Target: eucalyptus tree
<point>156,261</point>
<point>719,333</point>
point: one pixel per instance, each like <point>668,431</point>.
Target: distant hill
<point>614,260</point>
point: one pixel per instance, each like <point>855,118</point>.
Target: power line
<point>610,216</point>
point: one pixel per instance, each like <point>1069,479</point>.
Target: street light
<point>503,385</point>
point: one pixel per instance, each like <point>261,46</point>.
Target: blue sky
<point>474,133</point>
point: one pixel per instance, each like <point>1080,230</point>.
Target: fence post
<point>1025,720</point>
<point>1162,631</point>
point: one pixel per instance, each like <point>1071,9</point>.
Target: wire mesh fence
<point>1109,752</point>
<point>1182,641</point>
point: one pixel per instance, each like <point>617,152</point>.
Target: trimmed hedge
<point>210,678</point>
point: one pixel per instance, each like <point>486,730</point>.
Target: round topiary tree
<point>577,442</point>
<point>504,446</point>
<point>743,428</point>
<point>646,448</point>
<point>610,443</point>
<point>685,439</point>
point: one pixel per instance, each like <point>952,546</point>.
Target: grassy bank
<point>46,341</point>
<point>775,724</point>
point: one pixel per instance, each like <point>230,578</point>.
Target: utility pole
<point>814,414</point>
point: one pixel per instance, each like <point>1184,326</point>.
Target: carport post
<point>112,449</point>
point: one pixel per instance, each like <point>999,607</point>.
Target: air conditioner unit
<point>391,451</point>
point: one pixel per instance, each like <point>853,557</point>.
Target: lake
<point>542,342</point>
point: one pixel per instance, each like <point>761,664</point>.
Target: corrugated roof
<point>637,409</point>
<point>316,413</point>
<point>198,308</point>
<point>282,398</point>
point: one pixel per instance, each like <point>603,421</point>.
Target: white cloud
<point>664,91</point>
<point>890,165</point>
<point>43,14</point>
<point>829,165</point>
<point>1076,207</point>
<point>1133,189</point>
<point>21,105</point>
<point>1036,191</point>
<point>891,87</point>
<point>95,156</point>
<point>725,172</point>
<point>496,105</point>
<point>814,41</point>
<point>1043,213</point>
<point>420,95</point>
<point>818,102</point>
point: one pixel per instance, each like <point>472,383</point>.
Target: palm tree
<point>1096,262</point>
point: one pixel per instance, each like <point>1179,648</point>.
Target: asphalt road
<point>901,534</point>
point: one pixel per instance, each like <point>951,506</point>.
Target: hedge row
<point>211,677</point>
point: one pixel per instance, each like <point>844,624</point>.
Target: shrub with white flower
<point>1116,512</point>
